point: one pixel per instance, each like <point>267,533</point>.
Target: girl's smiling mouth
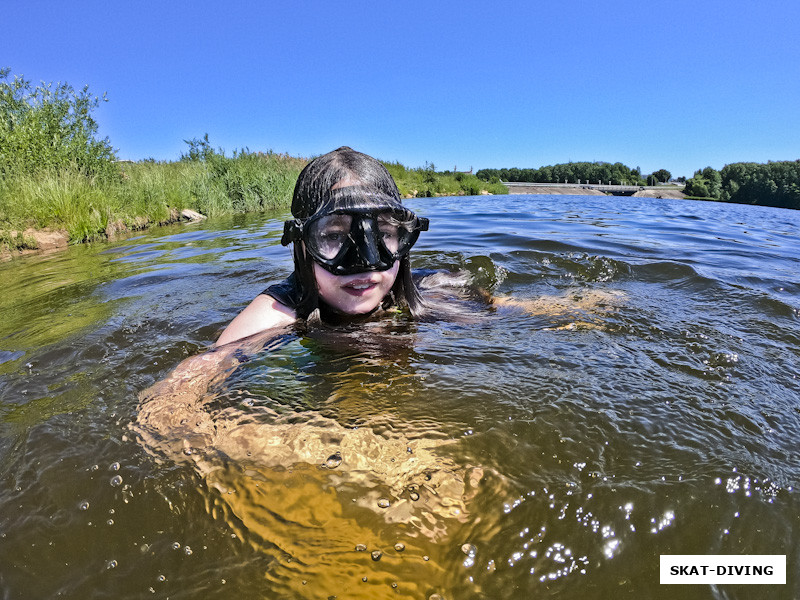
<point>359,287</point>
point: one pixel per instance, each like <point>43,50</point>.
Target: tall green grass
<point>247,182</point>
<point>143,193</point>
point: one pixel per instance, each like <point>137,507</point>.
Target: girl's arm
<point>173,408</point>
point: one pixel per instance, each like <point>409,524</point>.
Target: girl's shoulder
<point>263,313</point>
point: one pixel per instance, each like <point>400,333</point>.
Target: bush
<point>50,128</point>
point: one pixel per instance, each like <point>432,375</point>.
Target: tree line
<point>771,184</point>
<point>578,172</point>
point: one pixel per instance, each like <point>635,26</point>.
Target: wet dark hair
<point>313,190</point>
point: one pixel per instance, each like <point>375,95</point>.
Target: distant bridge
<point>515,187</point>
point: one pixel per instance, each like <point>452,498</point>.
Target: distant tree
<point>662,175</point>
<point>429,173</point>
<point>696,188</point>
<point>706,183</point>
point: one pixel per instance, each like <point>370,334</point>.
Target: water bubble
<point>176,545</point>
<point>161,578</point>
<point>376,555</point>
<point>426,558</point>
<point>110,521</point>
<point>364,579</point>
<point>394,584</point>
<point>361,548</point>
<point>84,505</point>
<point>114,467</point>
<point>399,546</point>
<point>384,503</point>
<point>334,460</point>
<point>112,564</point>
<point>470,551</point>
<point>414,496</point>
<point>187,551</point>
<point>94,467</point>
<point>116,481</point>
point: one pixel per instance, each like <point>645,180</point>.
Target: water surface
<point>654,410</point>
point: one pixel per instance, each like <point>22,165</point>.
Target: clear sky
<point>680,84</point>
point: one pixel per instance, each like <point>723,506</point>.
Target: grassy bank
<point>141,194</point>
<point>147,193</point>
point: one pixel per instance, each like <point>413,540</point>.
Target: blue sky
<point>678,85</point>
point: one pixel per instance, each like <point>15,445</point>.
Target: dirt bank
<point>48,240</point>
<point>666,193</point>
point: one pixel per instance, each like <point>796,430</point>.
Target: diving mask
<point>345,242</point>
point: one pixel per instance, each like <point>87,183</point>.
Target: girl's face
<point>357,294</point>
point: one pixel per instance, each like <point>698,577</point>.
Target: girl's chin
<point>354,308</point>
<point>361,309</point>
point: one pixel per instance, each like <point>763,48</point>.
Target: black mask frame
<point>364,248</point>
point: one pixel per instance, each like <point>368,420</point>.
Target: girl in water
<point>351,237</point>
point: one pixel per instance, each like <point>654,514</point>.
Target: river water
<point>643,400</point>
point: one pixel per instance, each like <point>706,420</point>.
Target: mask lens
<point>328,234</point>
<point>398,231</point>
<point>390,231</point>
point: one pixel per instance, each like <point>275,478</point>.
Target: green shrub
<point>50,128</point>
